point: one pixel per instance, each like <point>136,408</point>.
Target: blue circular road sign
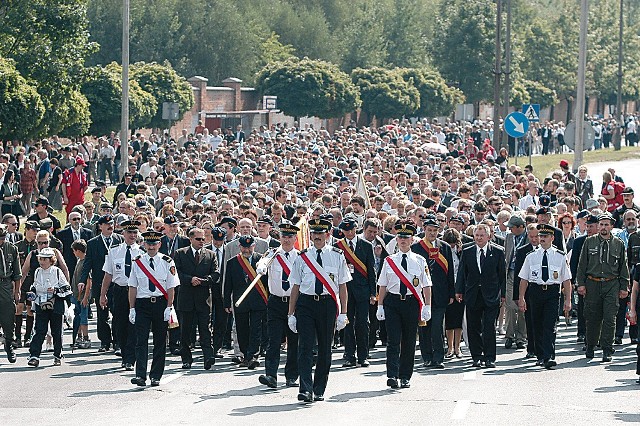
<point>516,124</point>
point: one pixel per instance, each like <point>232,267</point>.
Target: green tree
<point>309,87</point>
<point>384,93</point>
<point>463,46</point>
<point>364,39</point>
<point>21,108</point>
<point>161,81</point>
<point>405,33</point>
<point>436,98</point>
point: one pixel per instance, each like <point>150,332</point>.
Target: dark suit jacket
<point>273,243</point>
<point>195,298</point>
<point>66,238</point>
<point>364,252</point>
<point>442,280</point>
<point>181,243</point>
<point>575,256</point>
<point>489,284</point>
<point>236,282</point>
<point>383,255</point>
<point>521,254</point>
<point>558,240</point>
<point>94,260</point>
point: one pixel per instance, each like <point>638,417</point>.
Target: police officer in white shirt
<point>117,269</point>
<point>277,308</point>
<point>318,278</point>
<point>543,272</point>
<point>150,308</point>
<point>399,307</point>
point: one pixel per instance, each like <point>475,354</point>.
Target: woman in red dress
<point>75,181</point>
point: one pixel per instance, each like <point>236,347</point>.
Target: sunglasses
<point>75,219</point>
<point>199,238</point>
<point>13,223</point>
<point>566,223</point>
<point>43,243</point>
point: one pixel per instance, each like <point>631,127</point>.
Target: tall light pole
<point>617,132</point>
<point>582,64</point>
<point>124,120</point>
<point>497,71</point>
<point>507,67</point>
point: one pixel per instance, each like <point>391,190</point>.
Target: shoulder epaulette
<point>117,245</point>
<point>137,257</point>
<point>561,252</point>
<point>337,250</point>
<point>166,258</point>
<point>303,251</point>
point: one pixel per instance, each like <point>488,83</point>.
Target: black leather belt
<point>401,297</point>
<point>548,286</point>
<point>318,298</point>
<point>284,299</point>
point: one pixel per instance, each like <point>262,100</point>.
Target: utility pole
<point>617,132</point>
<point>507,69</point>
<point>582,64</point>
<point>124,121</point>
<point>497,72</point>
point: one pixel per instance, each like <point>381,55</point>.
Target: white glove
<point>426,313</point>
<point>341,322</point>
<point>167,314</point>
<point>380,313</point>
<point>132,315</point>
<point>293,323</point>
<point>261,270</point>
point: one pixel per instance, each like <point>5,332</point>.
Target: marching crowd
<point>410,234</point>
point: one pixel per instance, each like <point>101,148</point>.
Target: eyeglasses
<point>75,219</point>
<point>43,243</point>
<point>199,238</point>
<point>12,223</point>
<point>567,223</point>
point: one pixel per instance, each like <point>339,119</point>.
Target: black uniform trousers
<point>219,317</point>
<point>376,328</point>
<point>544,312</point>
<point>150,317</point>
<point>202,320</point>
<point>278,326</point>
<point>7,310</point>
<point>102,319</point>
<point>621,320</point>
<point>481,330</point>
<point>316,320</point>
<point>356,333</point>
<point>401,319</point>
<point>124,331</point>
<point>175,333</point>
<point>432,337</point>
<point>45,319</point>
<point>531,341</point>
<point>249,331</point>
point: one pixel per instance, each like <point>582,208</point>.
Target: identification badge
<point>534,274</point>
<point>118,266</point>
<point>555,275</point>
<point>416,281</point>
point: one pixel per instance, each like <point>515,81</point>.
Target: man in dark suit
<point>521,254</point>
<point>481,283</point>
<point>68,235</point>
<point>371,228</point>
<point>97,249</point>
<point>240,272</point>
<point>197,270</point>
<point>169,243</point>
<point>361,290</point>
<point>515,322</point>
<point>438,256</point>
<point>219,316</point>
<point>239,134</point>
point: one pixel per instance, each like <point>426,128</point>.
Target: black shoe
<point>208,363</point>
<point>549,364</point>
<point>305,396</point>
<point>580,339</point>
<point>427,364</point>
<point>606,356</point>
<point>269,381</point>
<point>103,349</point>
<point>349,363</point>
<point>318,397</point>
<point>634,341</point>
<point>530,355</point>
<point>218,355</point>
<point>589,352</point>
<point>128,367</point>
<point>508,344</point>
<point>364,363</point>
<point>118,352</point>
<point>404,383</point>
<point>138,381</point>
<point>437,365</point>
<point>155,382</point>
<point>489,364</point>
<point>617,341</point>
<point>583,348</point>
<point>520,345</point>
<point>186,366</point>
<point>476,363</point>
<point>253,364</point>
<point>237,360</point>
<point>291,383</point>
<point>11,354</point>
<point>539,362</point>
<point>27,343</point>
<point>392,382</point>
<point>175,352</point>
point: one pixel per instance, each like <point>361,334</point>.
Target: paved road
<point>92,387</point>
<point>629,170</point>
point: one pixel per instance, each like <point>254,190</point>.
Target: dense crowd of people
<point>298,238</point>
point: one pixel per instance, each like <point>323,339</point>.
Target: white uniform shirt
<point>558,267</point>
<point>417,267</point>
<point>275,273</point>
<point>333,263</point>
<point>164,270</point>
<point>47,278</point>
<point>114,263</point>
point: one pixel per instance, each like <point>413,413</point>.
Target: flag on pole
<point>361,189</point>
<point>303,238</point>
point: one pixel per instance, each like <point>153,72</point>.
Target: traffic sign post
<point>516,125</point>
<point>532,112</point>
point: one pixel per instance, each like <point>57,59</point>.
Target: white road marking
<point>469,375</point>
<point>460,410</point>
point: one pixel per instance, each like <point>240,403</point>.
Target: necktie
<point>545,267</point>
<point>319,285</point>
<point>152,287</point>
<point>403,288</point>
<point>482,258</point>
<point>219,259</point>
<point>351,245</point>
<point>127,262</point>
<point>197,256</point>
<point>107,241</point>
<point>285,277</point>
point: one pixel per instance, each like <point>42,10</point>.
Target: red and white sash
<point>320,273</point>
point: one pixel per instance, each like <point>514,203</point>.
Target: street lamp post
<point>497,71</point>
<point>617,135</point>
<point>124,123</point>
<point>580,98</point>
